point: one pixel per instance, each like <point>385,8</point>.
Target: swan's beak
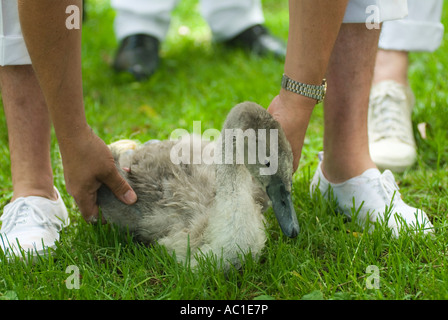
<point>283,208</point>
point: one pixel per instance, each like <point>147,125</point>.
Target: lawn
<point>199,80</point>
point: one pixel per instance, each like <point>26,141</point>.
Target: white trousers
<point>12,47</point>
<point>225,17</point>
<point>421,30</point>
<point>358,11</point>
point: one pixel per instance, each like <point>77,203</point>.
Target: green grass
<point>200,80</point>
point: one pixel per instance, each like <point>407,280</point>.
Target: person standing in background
<point>391,138</point>
<point>141,25</point>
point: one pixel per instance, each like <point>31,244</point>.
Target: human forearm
<point>313,29</point>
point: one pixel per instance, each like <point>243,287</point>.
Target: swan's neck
<point>236,224</point>
<point>234,191</point>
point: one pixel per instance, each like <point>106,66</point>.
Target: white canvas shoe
<point>391,138</point>
<point>373,197</point>
<point>32,224</point>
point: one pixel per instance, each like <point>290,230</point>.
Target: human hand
<point>88,163</point>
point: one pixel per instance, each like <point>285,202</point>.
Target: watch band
<point>308,90</point>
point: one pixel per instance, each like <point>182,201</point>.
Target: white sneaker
<point>391,138</point>
<point>32,224</point>
<point>373,197</point>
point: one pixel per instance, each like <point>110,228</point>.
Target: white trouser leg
<point>421,30</point>
<point>12,46</point>
<point>358,11</point>
<point>143,16</point>
<point>228,18</point>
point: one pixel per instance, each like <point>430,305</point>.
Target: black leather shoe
<point>138,54</point>
<point>258,40</point>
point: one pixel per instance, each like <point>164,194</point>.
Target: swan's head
<point>258,141</point>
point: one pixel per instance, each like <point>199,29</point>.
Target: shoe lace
<point>20,213</point>
<point>387,119</point>
<point>389,186</point>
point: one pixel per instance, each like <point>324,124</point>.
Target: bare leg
<point>391,138</point>
<point>391,65</point>
<point>29,133</point>
<point>349,78</point>
<point>313,28</point>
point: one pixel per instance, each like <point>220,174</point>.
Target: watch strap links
<point>316,92</point>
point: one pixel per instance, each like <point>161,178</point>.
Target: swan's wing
<point>115,211</point>
<point>170,196</point>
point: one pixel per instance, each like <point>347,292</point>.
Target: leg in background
<point>29,133</point>
<point>349,79</point>
<point>391,65</point>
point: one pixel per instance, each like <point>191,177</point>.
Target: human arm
<point>55,53</point>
